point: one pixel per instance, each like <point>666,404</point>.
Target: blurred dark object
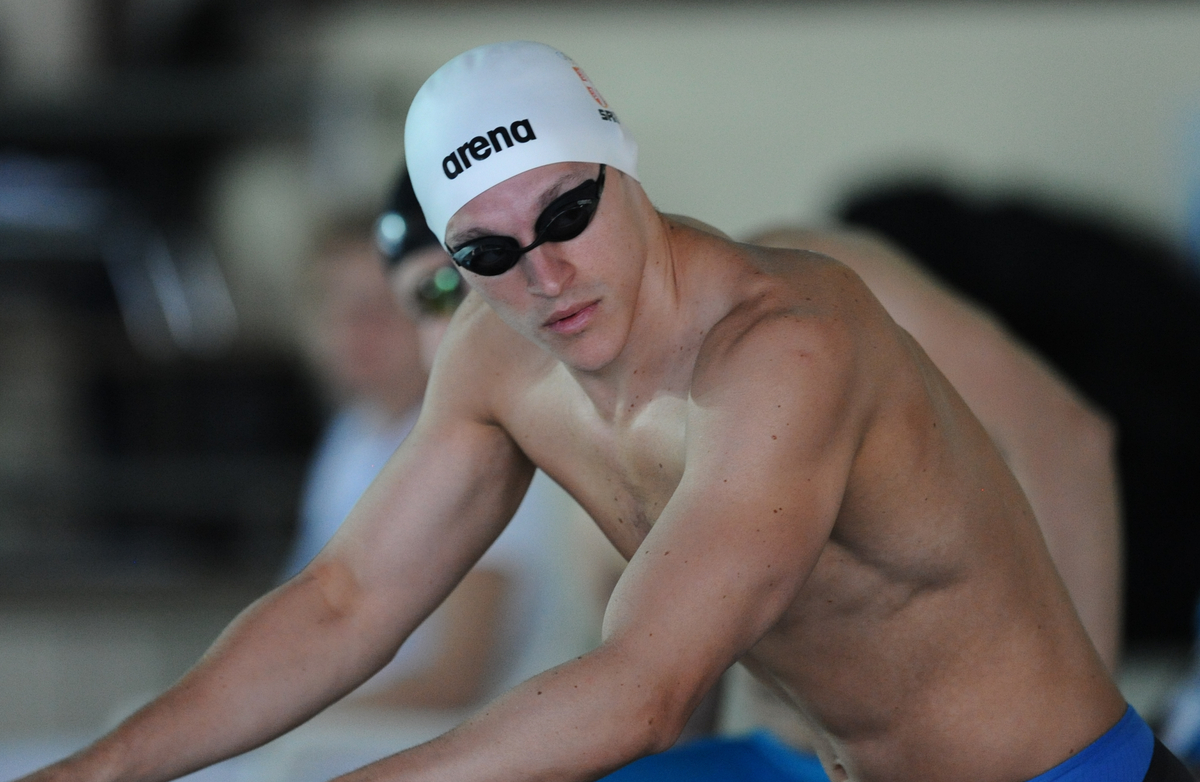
<point>142,445</point>
<point>183,33</point>
<point>1119,314</point>
<point>126,465</point>
<point>177,85</point>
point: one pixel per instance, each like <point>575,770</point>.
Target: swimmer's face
<point>573,298</point>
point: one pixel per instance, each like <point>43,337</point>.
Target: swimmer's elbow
<point>648,698</point>
<point>663,716</point>
<point>653,728</point>
<point>333,589</point>
<point>643,720</point>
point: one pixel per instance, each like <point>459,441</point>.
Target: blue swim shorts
<point>758,757</point>
<point>1128,752</point>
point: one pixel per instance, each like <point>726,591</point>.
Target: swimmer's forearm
<point>578,721</point>
<point>281,661</point>
<point>471,624</point>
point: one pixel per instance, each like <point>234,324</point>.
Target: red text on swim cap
<point>591,88</point>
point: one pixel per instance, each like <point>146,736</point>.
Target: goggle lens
<point>564,219</point>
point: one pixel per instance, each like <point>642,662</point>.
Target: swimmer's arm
<point>432,512</point>
<point>468,635</point>
<point>1061,449</point>
<point>723,561</point>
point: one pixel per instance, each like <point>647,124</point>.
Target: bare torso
<point>933,637</point>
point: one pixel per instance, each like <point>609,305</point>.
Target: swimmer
<point>1059,447</point>
<point>793,482</point>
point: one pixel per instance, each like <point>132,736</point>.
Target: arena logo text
<point>481,147</point>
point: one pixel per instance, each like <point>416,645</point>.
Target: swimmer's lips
<point>571,320</point>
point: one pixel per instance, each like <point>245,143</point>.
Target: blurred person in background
<point>372,340</point>
<point>1114,307</point>
<point>551,622</point>
<point>363,350</point>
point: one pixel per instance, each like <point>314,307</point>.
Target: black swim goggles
<point>565,218</point>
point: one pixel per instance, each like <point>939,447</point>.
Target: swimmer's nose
<point>547,272</point>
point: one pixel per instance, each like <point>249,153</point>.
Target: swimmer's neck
<point>686,287</point>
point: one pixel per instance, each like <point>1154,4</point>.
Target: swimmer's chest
<point>621,471</point>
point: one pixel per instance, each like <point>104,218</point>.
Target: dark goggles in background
<point>565,218</point>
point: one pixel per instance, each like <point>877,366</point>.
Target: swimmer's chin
<point>588,362</point>
<point>585,352</point>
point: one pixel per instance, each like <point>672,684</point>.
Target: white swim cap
<point>500,110</point>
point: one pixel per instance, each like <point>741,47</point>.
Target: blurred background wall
<point>750,114</point>
<point>166,164</point>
